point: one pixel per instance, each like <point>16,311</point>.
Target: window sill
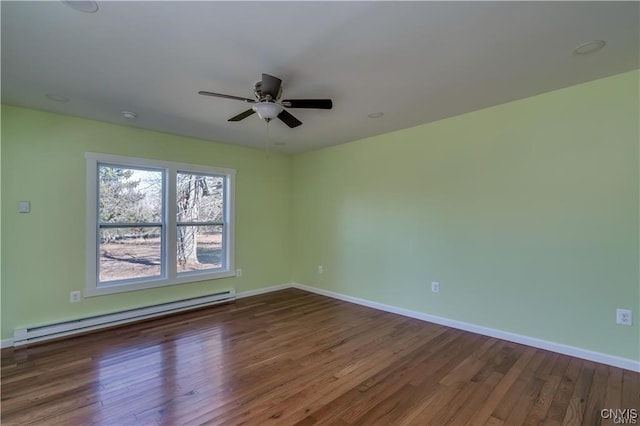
<point>187,277</point>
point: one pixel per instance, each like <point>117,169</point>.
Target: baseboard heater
<point>25,335</point>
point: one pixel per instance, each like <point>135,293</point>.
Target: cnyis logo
<point>620,416</point>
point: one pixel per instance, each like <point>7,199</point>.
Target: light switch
<point>24,207</point>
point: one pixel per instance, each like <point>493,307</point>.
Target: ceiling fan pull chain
<point>267,138</point>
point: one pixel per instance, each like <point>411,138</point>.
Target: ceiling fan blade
<point>308,103</point>
<point>289,119</point>
<point>270,85</point>
<point>220,95</point>
<point>242,115</point>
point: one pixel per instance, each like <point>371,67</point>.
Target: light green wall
<point>43,252</point>
<point>526,213</point>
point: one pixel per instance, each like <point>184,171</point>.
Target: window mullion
<point>200,224</point>
<point>171,210</point>
<point>107,225</point>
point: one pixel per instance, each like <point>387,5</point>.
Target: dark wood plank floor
<point>292,357</point>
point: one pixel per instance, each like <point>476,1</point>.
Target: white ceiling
<point>415,61</point>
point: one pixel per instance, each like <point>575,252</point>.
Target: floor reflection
<point>160,376</point>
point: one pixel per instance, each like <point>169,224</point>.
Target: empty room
<point>305,213</point>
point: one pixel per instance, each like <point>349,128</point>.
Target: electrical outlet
<point>75,296</point>
<point>623,316</point>
<point>238,272</point>
<point>320,269</point>
<point>435,287</point>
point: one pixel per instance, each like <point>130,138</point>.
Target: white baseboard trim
<point>628,364</point>
<point>249,293</point>
<point>615,361</point>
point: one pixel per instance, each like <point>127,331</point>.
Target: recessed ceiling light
<point>57,98</point>
<point>375,114</point>
<point>129,115</point>
<point>82,6</point>
<point>590,47</point>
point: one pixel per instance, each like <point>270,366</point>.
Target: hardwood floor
<point>292,357</point>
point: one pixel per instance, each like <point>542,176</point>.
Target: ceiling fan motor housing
<point>257,91</point>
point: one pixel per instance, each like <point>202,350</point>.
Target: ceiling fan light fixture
<point>267,110</point>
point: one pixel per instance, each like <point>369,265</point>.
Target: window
<point>155,223</point>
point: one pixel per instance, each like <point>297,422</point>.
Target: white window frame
<point>169,274</point>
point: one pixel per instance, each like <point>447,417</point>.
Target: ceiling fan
<point>268,104</point>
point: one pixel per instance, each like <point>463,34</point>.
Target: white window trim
<point>171,276</point>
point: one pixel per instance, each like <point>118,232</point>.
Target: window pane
<point>127,253</point>
<point>199,248</point>
<point>199,198</point>
<point>129,195</point>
